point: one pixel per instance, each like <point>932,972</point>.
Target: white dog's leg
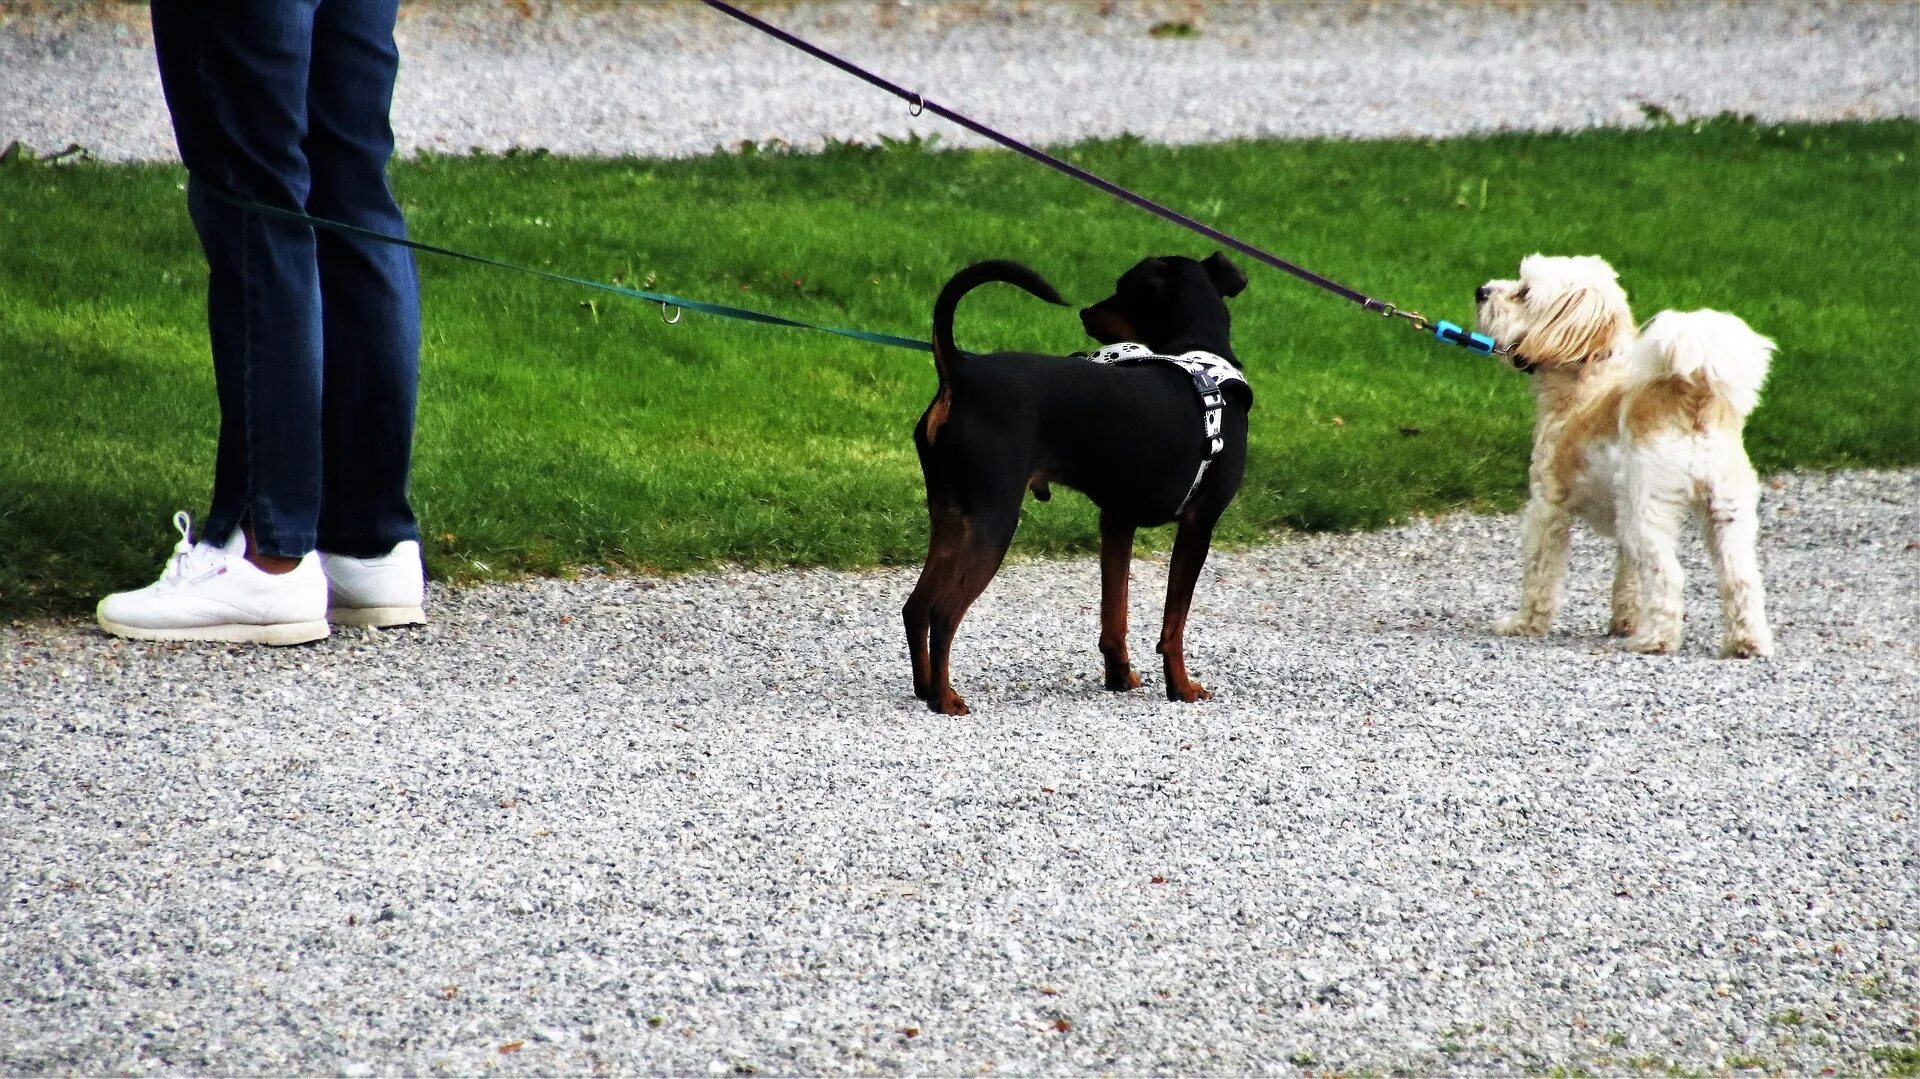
<point>1626,595</point>
<point>1544,567</point>
<point>1731,521</point>
<point>1650,522</point>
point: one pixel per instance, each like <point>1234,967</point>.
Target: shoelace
<point>190,559</point>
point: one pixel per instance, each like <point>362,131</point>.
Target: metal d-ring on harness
<point>1445,331</point>
<point>1210,375</point>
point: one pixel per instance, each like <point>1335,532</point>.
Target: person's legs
<point>235,77</point>
<point>235,74</point>
<point>315,340</point>
<point>370,299</point>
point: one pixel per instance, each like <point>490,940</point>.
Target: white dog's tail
<point>1711,349</point>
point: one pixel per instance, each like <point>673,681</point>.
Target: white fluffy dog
<point>1632,433</point>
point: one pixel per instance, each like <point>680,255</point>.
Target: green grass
<point>1897,1060</point>
<point>560,427</point>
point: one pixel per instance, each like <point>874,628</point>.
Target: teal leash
<point>664,299</point>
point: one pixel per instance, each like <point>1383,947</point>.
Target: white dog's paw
<point>1623,625</point>
<point>1746,647</point>
<point>1650,645</point>
<point>1515,625</point>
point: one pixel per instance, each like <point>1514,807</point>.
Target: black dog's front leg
<point>1190,545</point>
<point>1116,569</point>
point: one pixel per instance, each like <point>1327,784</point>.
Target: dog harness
<point>1210,375</point>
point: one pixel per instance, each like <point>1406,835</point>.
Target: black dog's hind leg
<point>1190,546</point>
<point>946,538</point>
<point>965,571</point>
<point>1116,566</point>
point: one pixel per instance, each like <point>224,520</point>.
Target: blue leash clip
<point>1455,335</point>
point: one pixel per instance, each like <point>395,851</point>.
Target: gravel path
<point>700,826</point>
<point>676,80</point>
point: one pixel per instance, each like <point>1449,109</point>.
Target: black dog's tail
<point>980,273</point>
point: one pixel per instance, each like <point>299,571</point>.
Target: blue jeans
<point>316,336</point>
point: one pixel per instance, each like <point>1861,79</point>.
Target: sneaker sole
<point>377,617</point>
<point>284,633</point>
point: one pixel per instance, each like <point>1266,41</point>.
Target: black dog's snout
<point>1480,294</point>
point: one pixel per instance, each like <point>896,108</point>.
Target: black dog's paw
<point>948,704</point>
<point>1188,693</point>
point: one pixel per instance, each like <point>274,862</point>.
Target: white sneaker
<point>389,590</point>
<point>210,592</point>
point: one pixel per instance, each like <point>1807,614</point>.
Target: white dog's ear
<point>1582,321</point>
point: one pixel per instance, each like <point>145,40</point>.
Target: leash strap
<point>919,103</point>
<point>664,299</point>
<point>1209,373</point>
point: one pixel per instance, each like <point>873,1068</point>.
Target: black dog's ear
<point>1226,276</point>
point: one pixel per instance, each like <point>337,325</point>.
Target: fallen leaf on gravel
<point>1062,1025</point>
<point>512,1047</point>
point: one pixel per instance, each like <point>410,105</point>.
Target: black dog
<point>1129,435</point>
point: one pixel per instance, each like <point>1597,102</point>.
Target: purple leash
<point>1445,331</point>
